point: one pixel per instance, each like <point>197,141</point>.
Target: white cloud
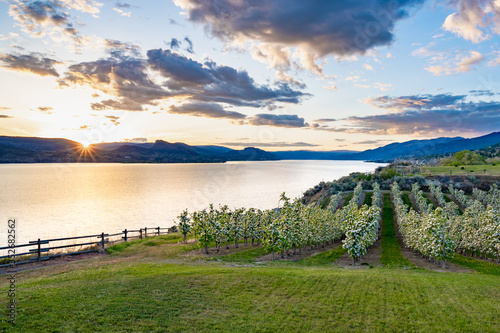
<point>367,67</point>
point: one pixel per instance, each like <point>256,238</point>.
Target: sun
<point>85,144</point>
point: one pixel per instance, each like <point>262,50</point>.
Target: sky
<point>278,75</point>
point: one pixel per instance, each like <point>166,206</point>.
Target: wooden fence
<point>44,249</point>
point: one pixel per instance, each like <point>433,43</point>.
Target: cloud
<point>474,19</point>
<point>370,142</point>
<point>368,67</point>
<point>324,120</point>
<point>484,92</point>
<point>174,43</point>
<point>425,115</point>
<point>46,109</point>
<point>41,18</point>
<point>415,102</point>
<point>119,49</point>
<point>122,5</point>
<point>376,85</point>
<point>34,63</point>
<point>122,12</point>
<point>209,82</point>
<point>197,89</point>
<point>333,28</point>
<point>4,108</point>
<point>207,110</point>
<point>137,140</point>
<point>461,63</point>
<point>189,48</point>
<point>4,116</point>
<point>113,119</point>
<point>274,120</point>
<point>269,144</point>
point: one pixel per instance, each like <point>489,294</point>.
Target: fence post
<point>145,232</point>
<point>102,241</point>
<point>158,231</point>
<point>140,233</point>
<point>125,232</point>
<point>38,252</point>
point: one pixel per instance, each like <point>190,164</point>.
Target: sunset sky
<point>279,75</point>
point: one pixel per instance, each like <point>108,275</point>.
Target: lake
<point>62,200</point>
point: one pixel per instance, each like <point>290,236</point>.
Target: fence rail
<point>44,249</point>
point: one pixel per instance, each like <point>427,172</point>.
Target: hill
<point>418,148</point>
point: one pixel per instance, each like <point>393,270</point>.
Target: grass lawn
<point>154,297</point>
<point>158,285</point>
<point>468,170</point>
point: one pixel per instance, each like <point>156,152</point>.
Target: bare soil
<point>51,262</point>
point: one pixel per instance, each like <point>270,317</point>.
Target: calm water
<point>61,200</point>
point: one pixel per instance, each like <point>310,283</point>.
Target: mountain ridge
<point>54,150</point>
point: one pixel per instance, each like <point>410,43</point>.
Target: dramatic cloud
<point>124,78</point>
<point>269,144</point>
<point>207,110</point>
<point>209,82</point>
<point>474,19</point>
<point>316,29</point>
<point>33,63</point>
<point>39,18</point>
<point>283,120</point>
<point>135,83</point>
<point>426,115</point>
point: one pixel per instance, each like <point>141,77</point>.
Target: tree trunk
<point>227,245</point>
<point>206,249</point>
<point>185,238</point>
<point>236,243</point>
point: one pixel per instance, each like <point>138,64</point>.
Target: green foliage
<point>388,173</point>
<point>464,157</point>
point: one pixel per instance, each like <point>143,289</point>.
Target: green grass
<point>446,199</point>
<point>406,200</point>
<point>477,265</point>
<point>476,170</point>
<point>151,241</point>
<point>247,256</point>
<point>324,258</point>
<point>158,297</point>
<point>391,250</point>
<point>347,198</point>
<point>368,198</point>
